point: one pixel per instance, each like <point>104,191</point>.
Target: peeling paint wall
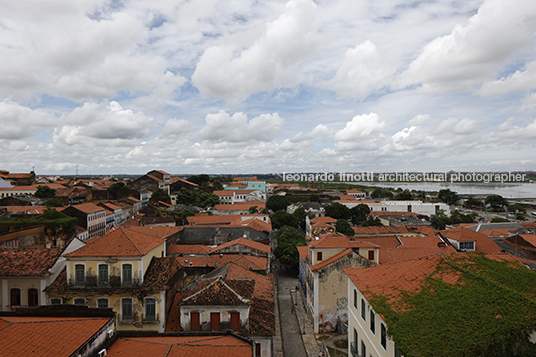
<point>332,291</point>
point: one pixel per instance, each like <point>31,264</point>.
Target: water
<point>506,190</point>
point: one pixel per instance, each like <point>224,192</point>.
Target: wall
<point>372,341</point>
<point>332,292</point>
<point>225,317</point>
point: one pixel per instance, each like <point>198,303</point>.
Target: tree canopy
<point>497,203</point>
<point>287,241</point>
<point>45,192</point>
<point>342,226</point>
<point>337,211</point>
<point>197,198</point>
<point>277,202</point>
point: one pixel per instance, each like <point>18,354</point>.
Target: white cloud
<point>20,122</point>
<point>520,80</point>
<point>175,127</point>
<point>364,132</point>
<point>362,72</point>
<point>471,53</point>
<point>102,121</point>
<point>236,128</point>
<point>230,72</point>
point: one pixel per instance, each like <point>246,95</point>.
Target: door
<point>215,321</point>
<point>195,324</point>
<point>15,297</point>
<point>235,321</point>
<point>33,298</point>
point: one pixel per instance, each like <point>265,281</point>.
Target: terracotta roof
<point>175,179</point>
<point>497,232</point>
<point>88,207</point>
<point>482,242</point>
<point>338,240</point>
<point>185,249</point>
<point>211,220</point>
<point>384,213</point>
<point>27,262</point>
<point>216,261</point>
<point>46,336</point>
<point>354,191</point>
<point>406,230</point>
<point>303,251</point>
<point>256,224</point>
<point>243,241</point>
<point>158,274</point>
<point>384,242</point>
<point>26,209</point>
<point>347,198</point>
<point>121,241</point>
<point>529,225</point>
<point>530,238</point>
<point>391,279</point>
<point>324,219</point>
<point>219,291</point>
<point>240,206</point>
<point>391,255</point>
<point>420,242</point>
<point>180,346</point>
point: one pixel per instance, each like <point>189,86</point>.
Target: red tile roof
<point>303,251</point>
<point>121,241</point>
<point>88,207</point>
<point>26,209</point>
<point>482,242</point>
<point>324,219</point>
<point>332,259</point>
<point>245,242</point>
<point>391,255</point>
<point>46,336</point>
<point>185,249</point>
<point>246,261</point>
<point>181,346</point>
<point>338,240</point>
<point>27,262</point>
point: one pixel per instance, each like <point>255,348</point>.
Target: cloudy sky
<point>248,86</point>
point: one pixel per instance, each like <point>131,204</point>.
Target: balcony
<point>113,281</point>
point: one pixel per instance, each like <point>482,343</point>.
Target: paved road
<point>290,332</point>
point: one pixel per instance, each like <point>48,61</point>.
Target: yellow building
<point>125,270</point>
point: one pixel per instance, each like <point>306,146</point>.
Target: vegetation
<point>201,180</point>
<point>441,221</point>
<point>381,192</point>
<point>447,196</point>
<point>276,203</point>
<point>342,226</point>
<point>287,241</point>
<point>497,203</point>
<point>359,214</point>
<point>160,195</point>
<point>53,203</point>
<point>499,220</point>
<point>45,192</point>
<point>516,207</point>
<point>118,186</point>
<point>489,311</point>
<point>337,211</point>
<point>196,198</point>
<point>282,218</point>
<point>50,218</point>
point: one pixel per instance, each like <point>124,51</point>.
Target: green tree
<point>516,207</point>
<point>253,209</point>
<point>198,198</point>
<point>359,213</point>
<point>277,202</point>
<point>438,223</point>
<point>404,196</point>
<point>118,186</point>
<point>448,196</point>
<point>372,221</point>
<point>287,241</point>
<point>342,226</point>
<point>300,215</point>
<point>380,192</point>
<point>472,202</point>
<point>54,203</point>
<point>314,197</point>
<point>282,218</point>
<point>160,195</point>
<point>337,211</point>
<point>201,180</point>
<point>497,203</point>
<point>45,192</point>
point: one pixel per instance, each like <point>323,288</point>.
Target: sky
<point>247,86</point>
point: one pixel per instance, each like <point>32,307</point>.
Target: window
<point>15,297</point>
<point>103,275</point>
<point>55,301</point>
<point>215,321</point>
<point>79,275</point>
<point>150,309</point>
<point>467,245</point>
<point>355,298</point>
<point>319,256</point>
<point>363,349</point>
<point>370,255</point>
<point>195,324</point>
<point>33,298</point>
<point>102,303</point>
<point>126,310</point>
<point>363,309</point>
<point>235,321</point>
<point>372,322</point>
<point>79,301</point>
<point>383,336</point>
<point>257,349</point>
<point>127,274</point>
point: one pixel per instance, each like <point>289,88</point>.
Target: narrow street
<point>290,331</point>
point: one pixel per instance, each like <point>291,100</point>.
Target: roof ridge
<point>130,240</point>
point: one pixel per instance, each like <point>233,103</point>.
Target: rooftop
<point>27,262</point>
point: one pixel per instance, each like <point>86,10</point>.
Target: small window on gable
<point>319,256</point>
<point>371,255</point>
